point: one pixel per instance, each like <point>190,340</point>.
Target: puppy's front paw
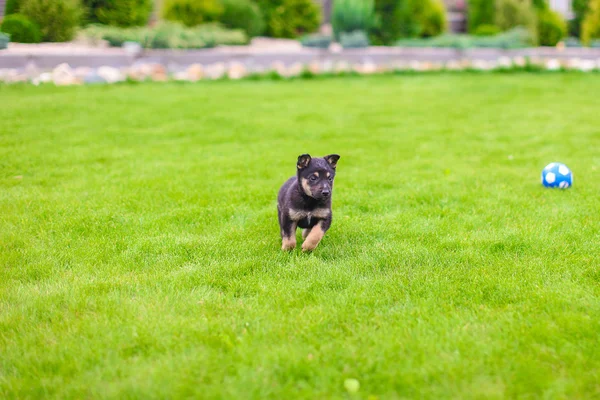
<point>309,245</point>
<point>288,245</point>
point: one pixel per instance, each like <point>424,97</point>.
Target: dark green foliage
<point>57,19</point>
<point>243,14</point>
<point>486,30</point>
<point>21,29</point>
<point>481,12</point>
<point>354,40</point>
<point>192,12</point>
<point>317,41</point>
<point>421,18</point>
<point>290,18</point>
<point>580,8</point>
<point>11,7</point>
<point>513,39</point>
<point>168,35</point>
<point>351,15</point>
<point>540,4</point>
<point>122,13</point>
<point>513,13</point>
<point>387,28</point>
<point>551,27</point>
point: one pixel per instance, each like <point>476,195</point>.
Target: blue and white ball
<point>557,175</point>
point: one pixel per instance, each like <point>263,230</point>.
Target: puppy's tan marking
<point>288,244</point>
<point>328,174</point>
<point>316,174</point>
<point>306,187</point>
<point>314,238</point>
<point>320,213</point>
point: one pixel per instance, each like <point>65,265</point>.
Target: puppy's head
<point>315,175</point>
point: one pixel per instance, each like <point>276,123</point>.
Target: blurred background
<point>244,37</point>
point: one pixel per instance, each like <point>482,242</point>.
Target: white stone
<point>587,65</point>
<point>63,75</point>
<point>237,71</point>
<point>110,74</point>
<point>552,64</point>
<point>505,62</point>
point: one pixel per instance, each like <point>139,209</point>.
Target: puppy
<point>304,201</point>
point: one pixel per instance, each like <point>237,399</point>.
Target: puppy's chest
<point>317,213</point>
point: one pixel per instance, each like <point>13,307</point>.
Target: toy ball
<point>557,175</point>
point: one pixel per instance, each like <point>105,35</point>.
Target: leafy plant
<point>243,14</point>
<point>421,18</point>
<point>57,19</point>
<point>580,9</point>
<point>513,39</point>
<point>551,27</point>
<point>486,30</point>
<point>290,18</point>
<point>590,27</point>
<point>21,29</point>
<point>123,13</point>
<point>386,28</point>
<point>514,13</point>
<point>354,40</point>
<point>481,12</point>
<point>351,15</point>
<point>192,12</point>
<point>317,41</point>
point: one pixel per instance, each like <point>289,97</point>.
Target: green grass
<point>140,254</point>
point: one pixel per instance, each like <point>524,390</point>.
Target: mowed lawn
<point>140,253</point>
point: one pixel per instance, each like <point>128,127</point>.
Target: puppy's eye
<point>331,179</point>
<point>313,178</point>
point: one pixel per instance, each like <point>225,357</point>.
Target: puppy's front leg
<point>288,233</point>
<point>315,235</point>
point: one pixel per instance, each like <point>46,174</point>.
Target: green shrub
<point>122,13</point>
<point>486,30</point>
<point>590,27</point>
<point>168,35</point>
<point>480,12</point>
<point>243,14</point>
<point>290,18</point>
<point>11,7</point>
<point>21,29</point>
<point>4,40</point>
<point>317,41</point>
<point>513,13</point>
<point>540,5</point>
<point>57,19</point>
<point>421,18</point>
<point>551,28</point>
<point>386,30</point>
<point>351,15</point>
<point>580,9</point>
<point>192,12</point>
<point>354,40</point>
<point>513,39</point>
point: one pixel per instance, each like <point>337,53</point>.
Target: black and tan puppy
<point>304,201</point>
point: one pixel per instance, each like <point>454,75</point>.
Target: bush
<point>243,14</point>
<point>486,30</point>
<point>57,19</point>
<point>21,29</point>
<point>551,28</point>
<point>421,18</point>
<point>354,40</point>
<point>580,9</point>
<point>386,30</point>
<point>168,35</point>
<point>351,15</point>
<point>11,7</point>
<point>192,12</point>
<point>513,13</point>
<point>290,18</point>
<point>317,41</point>
<point>590,27</point>
<point>4,40</point>
<point>481,12</point>
<point>540,5</point>
<point>514,39</point>
<point>119,12</point>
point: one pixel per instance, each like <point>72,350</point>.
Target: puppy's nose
<point>326,193</point>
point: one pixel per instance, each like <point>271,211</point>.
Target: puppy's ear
<point>303,161</point>
<point>332,159</point>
